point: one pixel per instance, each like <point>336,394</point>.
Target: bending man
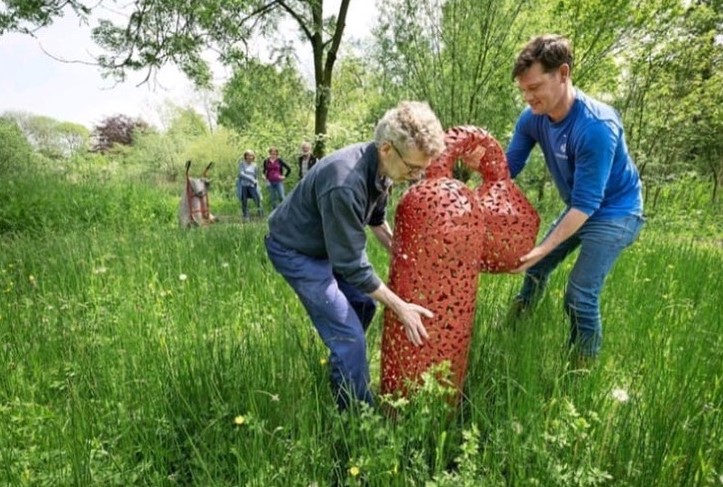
<point>317,240</point>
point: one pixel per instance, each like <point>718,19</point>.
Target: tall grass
<point>137,354</point>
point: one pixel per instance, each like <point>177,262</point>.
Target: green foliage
<point>27,17</point>
<point>673,98</point>
<point>141,355</point>
<point>38,202</point>
<point>51,138</point>
<point>267,97</point>
<point>15,151</point>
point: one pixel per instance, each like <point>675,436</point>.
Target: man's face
<point>544,92</point>
<point>403,164</point>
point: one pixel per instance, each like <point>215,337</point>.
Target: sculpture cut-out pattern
<point>445,235</point>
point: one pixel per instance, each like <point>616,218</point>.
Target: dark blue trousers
<point>340,312</point>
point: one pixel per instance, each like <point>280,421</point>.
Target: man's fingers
<point>413,337</point>
<point>423,332</point>
<point>423,311</point>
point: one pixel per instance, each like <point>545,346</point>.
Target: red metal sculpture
<point>445,234</point>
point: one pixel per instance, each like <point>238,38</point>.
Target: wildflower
<point>354,471</point>
<point>100,270</point>
<point>32,280</point>
<point>239,420</point>
<point>182,277</point>
<point>620,395</point>
<point>224,265</point>
<point>324,361</point>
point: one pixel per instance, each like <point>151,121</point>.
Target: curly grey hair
<point>411,124</point>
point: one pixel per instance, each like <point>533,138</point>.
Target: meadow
<point>138,354</point>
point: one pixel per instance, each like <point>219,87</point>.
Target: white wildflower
<point>100,270</point>
<point>620,395</point>
<point>183,277</point>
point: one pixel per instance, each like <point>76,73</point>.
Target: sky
<point>31,81</point>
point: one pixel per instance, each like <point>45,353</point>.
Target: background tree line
<point>657,61</point>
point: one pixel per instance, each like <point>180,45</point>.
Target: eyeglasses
<point>411,168</point>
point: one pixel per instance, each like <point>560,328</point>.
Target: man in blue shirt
<point>317,240</point>
<point>583,143</point>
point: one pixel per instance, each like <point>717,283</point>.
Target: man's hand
<point>567,226</point>
<point>409,314</point>
<point>529,259</point>
<point>411,317</point>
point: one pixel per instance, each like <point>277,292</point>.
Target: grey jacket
<point>325,214</point>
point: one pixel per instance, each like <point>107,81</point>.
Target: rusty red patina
<point>445,235</point>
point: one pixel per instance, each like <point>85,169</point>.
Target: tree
<point>673,96</point>
<point>15,150</point>
<point>179,32</point>
<point>50,137</point>
<point>117,129</point>
<point>265,95</point>
<point>26,17</point>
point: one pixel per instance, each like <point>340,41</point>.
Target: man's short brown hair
<point>551,51</point>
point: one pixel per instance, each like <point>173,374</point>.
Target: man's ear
<point>565,72</point>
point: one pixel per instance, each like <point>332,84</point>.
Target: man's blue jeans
<point>276,190</point>
<point>601,243</point>
<point>340,312</point>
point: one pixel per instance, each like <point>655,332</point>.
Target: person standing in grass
<point>247,183</point>
<point>276,170</point>
<point>306,159</point>
<point>583,143</point>
<point>317,240</point>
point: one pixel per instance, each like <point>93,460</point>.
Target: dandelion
<point>239,420</point>
<point>354,471</point>
<point>182,277</point>
<point>620,395</point>
<point>323,361</point>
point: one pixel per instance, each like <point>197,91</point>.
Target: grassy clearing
<point>137,354</point>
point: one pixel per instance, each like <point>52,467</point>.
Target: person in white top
<point>247,183</point>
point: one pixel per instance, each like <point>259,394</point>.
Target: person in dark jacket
<point>306,159</point>
<point>317,241</point>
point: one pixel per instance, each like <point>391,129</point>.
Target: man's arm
<point>570,223</point>
<point>409,314</point>
<point>384,234</point>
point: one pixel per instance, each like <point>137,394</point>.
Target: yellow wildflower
<point>239,420</point>
<point>354,471</point>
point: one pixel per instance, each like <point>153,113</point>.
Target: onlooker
<point>317,240</point>
<point>247,183</point>
<point>584,146</point>
<point>275,170</point>
<point>306,159</point>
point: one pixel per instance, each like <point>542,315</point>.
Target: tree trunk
<point>323,68</point>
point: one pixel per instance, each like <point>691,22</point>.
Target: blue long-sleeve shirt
<point>586,155</point>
